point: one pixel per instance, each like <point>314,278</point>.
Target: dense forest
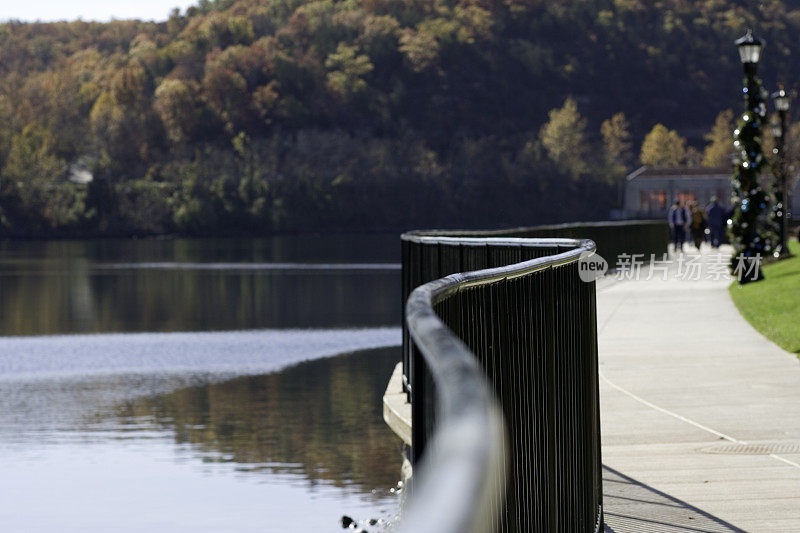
<point>262,116</point>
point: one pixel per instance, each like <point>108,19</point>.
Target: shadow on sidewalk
<point>632,506</point>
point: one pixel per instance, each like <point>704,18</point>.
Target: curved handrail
<point>522,230</point>
<point>459,485</point>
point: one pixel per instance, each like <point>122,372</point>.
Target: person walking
<point>715,217</point>
<point>678,219</point>
<point>697,224</point>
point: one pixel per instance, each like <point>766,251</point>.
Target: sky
<point>101,10</point>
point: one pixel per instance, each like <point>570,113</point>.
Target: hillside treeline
<point>258,116</point>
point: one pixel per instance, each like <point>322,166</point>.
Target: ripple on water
<point>226,352</point>
<point>108,434</point>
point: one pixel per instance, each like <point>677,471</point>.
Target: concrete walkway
<point>700,413</point>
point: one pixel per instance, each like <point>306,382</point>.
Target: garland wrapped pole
<point>748,230</point>
<point>782,102</point>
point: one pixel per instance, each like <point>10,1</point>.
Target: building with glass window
<point>650,191</point>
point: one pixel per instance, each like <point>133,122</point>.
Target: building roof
<point>680,172</point>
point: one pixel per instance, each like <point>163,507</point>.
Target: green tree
<point>663,147</point>
<point>616,142</point>
<point>720,141</point>
<point>346,70</point>
<point>694,157</point>
<point>564,138</point>
<point>177,104</point>
<point>30,159</point>
<point>128,132</point>
<point>35,177</point>
<point>421,49</point>
<point>225,92</point>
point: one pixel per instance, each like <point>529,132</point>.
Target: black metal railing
<point>501,369</point>
<point>424,263</point>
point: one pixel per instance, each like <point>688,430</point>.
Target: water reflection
<point>291,450</point>
<point>197,285</point>
<point>359,248</point>
<point>321,419</point>
<point>191,424</point>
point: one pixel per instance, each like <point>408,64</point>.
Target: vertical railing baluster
<point>534,335</point>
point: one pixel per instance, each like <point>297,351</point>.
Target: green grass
<point>772,306</point>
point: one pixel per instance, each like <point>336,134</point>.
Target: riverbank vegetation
<point>261,116</point>
<point>772,306</point>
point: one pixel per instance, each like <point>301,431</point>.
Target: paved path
<point>700,413</point>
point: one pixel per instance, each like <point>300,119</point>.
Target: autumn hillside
<point>257,116</point>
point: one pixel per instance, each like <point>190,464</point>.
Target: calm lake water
<point>197,385</point>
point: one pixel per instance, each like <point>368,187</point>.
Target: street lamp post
<point>748,237</point>
<point>782,102</point>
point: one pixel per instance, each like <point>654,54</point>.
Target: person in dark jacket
<point>697,224</point>
<point>678,219</point>
<point>716,220</point>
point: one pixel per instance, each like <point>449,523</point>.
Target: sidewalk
<point>699,412</point>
